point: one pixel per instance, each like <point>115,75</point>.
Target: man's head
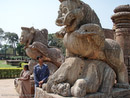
<point>40,59</point>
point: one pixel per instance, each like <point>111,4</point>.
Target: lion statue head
<point>30,35</point>
<point>74,13</point>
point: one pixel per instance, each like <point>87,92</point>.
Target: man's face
<point>40,60</point>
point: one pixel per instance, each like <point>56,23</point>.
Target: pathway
<point>7,89</point>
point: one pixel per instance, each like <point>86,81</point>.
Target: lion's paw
<point>79,88</point>
<point>62,89</point>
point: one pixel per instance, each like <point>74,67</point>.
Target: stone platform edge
<point>116,93</point>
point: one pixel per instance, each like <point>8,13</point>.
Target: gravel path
<point>7,89</point>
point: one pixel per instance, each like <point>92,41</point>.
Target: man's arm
<point>35,76</point>
<point>47,75</point>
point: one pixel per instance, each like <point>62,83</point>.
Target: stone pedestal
<point>121,20</point>
<point>116,93</point>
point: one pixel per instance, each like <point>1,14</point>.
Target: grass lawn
<point>4,65</point>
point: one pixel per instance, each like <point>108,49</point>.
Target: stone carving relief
<point>92,62</point>
<point>36,44</point>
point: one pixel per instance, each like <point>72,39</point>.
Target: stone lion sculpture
<point>36,44</point>
<point>84,38</point>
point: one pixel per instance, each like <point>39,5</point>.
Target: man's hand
<point>40,85</point>
<point>41,82</point>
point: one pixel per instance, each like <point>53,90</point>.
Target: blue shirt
<point>41,73</point>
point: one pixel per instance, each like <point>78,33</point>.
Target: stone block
<point>116,93</point>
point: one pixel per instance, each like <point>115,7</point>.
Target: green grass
<point>4,65</point>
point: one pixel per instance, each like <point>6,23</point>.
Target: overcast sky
<point>42,13</point>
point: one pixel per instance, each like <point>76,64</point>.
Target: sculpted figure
<point>83,37</point>
<point>36,44</point>
<point>78,77</point>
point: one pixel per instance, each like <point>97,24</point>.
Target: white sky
<point>42,13</point>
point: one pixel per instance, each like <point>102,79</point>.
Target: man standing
<point>41,72</point>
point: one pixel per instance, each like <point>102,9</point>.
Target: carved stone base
<point>116,93</point>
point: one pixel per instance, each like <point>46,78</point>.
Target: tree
<point>20,49</point>
<point>11,38</point>
<point>1,34</point>
<point>1,31</point>
<point>3,50</point>
<point>56,42</point>
<point>0,45</point>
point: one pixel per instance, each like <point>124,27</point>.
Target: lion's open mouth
<point>72,22</point>
<point>71,25</point>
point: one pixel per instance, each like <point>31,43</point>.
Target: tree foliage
<point>1,31</point>
<point>56,42</point>
<point>1,34</point>
<point>8,42</point>
<point>11,38</point>
<point>3,49</point>
<point>20,49</point>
